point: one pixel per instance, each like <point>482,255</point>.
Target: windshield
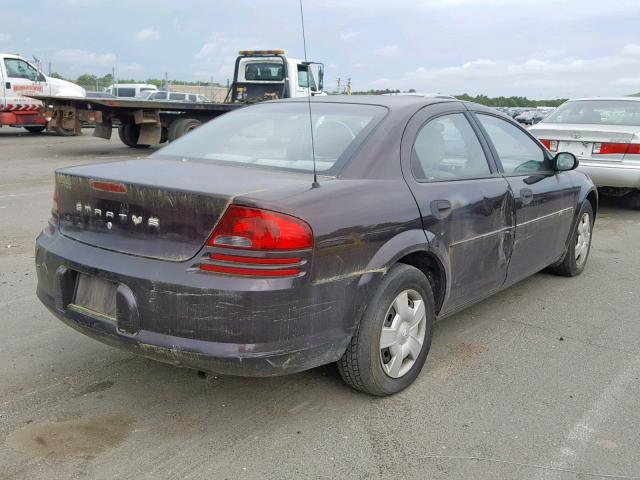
<point>264,71</point>
<point>277,135</point>
<point>597,112</point>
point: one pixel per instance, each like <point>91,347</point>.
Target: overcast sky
<point>534,48</point>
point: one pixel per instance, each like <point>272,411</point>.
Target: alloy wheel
<point>583,239</point>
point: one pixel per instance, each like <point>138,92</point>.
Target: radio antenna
<point>315,183</point>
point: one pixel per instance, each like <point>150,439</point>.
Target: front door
<point>21,79</point>
<point>544,199</point>
<point>465,204</point>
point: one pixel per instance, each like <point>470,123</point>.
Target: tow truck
<point>258,75</point>
<point>18,79</point>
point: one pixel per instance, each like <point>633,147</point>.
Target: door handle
<point>440,208</point>
<point>527,196</point>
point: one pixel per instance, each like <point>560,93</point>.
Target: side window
<point>516,151</point>
<point>20,69</point>
<point>177,96</point>
<point>303,76</point>
<point>160,96</point>
<point>447,148</point>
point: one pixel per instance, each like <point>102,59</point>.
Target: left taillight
<point>552,145</point>
<point>50,228</point>
<point>254,242</point>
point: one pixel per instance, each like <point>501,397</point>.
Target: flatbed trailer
<point>258,75</point>
<point>141,122</point>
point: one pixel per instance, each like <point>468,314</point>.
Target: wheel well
<point>593,200</point>
<point>433,270</point>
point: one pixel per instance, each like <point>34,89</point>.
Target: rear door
<point>465,204</point>
<point>2,86</point>
<point>544,199</point>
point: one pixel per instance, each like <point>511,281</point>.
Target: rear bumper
<point>22,119</point>
<point>209,322</point>
<point>620,174</point>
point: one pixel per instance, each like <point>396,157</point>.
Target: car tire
<point>36,129</point>
<point>367,364</point>
<point>181,127</point>
<point>575,258</point>
<point>128,134</point>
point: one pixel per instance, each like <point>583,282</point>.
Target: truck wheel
<point>388,350</point>
<point>36,129</point>
<point>64,132</point>
<point>181,127</point>
<point>128,134</point>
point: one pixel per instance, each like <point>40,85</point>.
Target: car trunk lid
<point>580,139</point>
<point>163,209</point>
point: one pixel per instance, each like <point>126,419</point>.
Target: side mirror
<point>321,78</point>
<point>565,161</point>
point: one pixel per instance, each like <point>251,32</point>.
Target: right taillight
<point>262,243</point>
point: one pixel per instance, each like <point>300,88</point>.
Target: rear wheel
<point>36,129</point>
<point>129,134</point>
<point>575,258</point>
<point>181,127</point>
<point>387,352</point>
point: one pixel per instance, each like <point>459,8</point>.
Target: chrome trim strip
<point>477,237</point>
<point>495,232</point>
<point>559,212</point>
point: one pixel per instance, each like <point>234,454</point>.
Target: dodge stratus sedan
<point>220,253</point>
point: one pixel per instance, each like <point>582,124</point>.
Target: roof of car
<point>633,99</point>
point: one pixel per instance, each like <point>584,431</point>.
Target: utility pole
<point>348,86</point>
<point>49,63</point>
<point>115,82</point>
<point>166,81</point>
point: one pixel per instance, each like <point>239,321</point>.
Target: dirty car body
<point>138,253</point>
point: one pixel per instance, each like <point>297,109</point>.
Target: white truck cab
<point>269,74</point>
<point>19,78</point>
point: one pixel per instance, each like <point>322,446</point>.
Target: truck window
<point>192,98</point>
<point>264,71</point>
<point>304,75</point>
<point>17,68</point>
<point>177,96</point>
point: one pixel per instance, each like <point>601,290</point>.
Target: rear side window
<point>177,96</point>
<point>518,153</point>
<point>264,71</point>
<point>277,135</point>
<point>447,148</point>
<point>125,92</point>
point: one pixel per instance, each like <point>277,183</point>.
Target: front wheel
<point>575,258</point>
<point>36,129</point>
<point>388,350</point>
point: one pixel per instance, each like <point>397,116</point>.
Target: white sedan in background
<point>604,133</point>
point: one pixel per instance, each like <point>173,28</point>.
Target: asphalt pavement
<point>541,381</point>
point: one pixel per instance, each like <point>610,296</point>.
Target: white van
<point>130,90</point>
<point>19,78</point>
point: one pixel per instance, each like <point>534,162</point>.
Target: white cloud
<point>539,78</point>
<point>4,37</point>
<point>631,50</point>
<point>344,36</point>
<point>388,50</point>
<point>147,34</point>
<point>76,57</point>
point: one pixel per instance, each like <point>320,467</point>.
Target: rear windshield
<point>264,71</point>
<point>597,112</point>
<point>277,136</point>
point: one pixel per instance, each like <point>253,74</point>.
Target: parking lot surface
<point>541,381</point>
